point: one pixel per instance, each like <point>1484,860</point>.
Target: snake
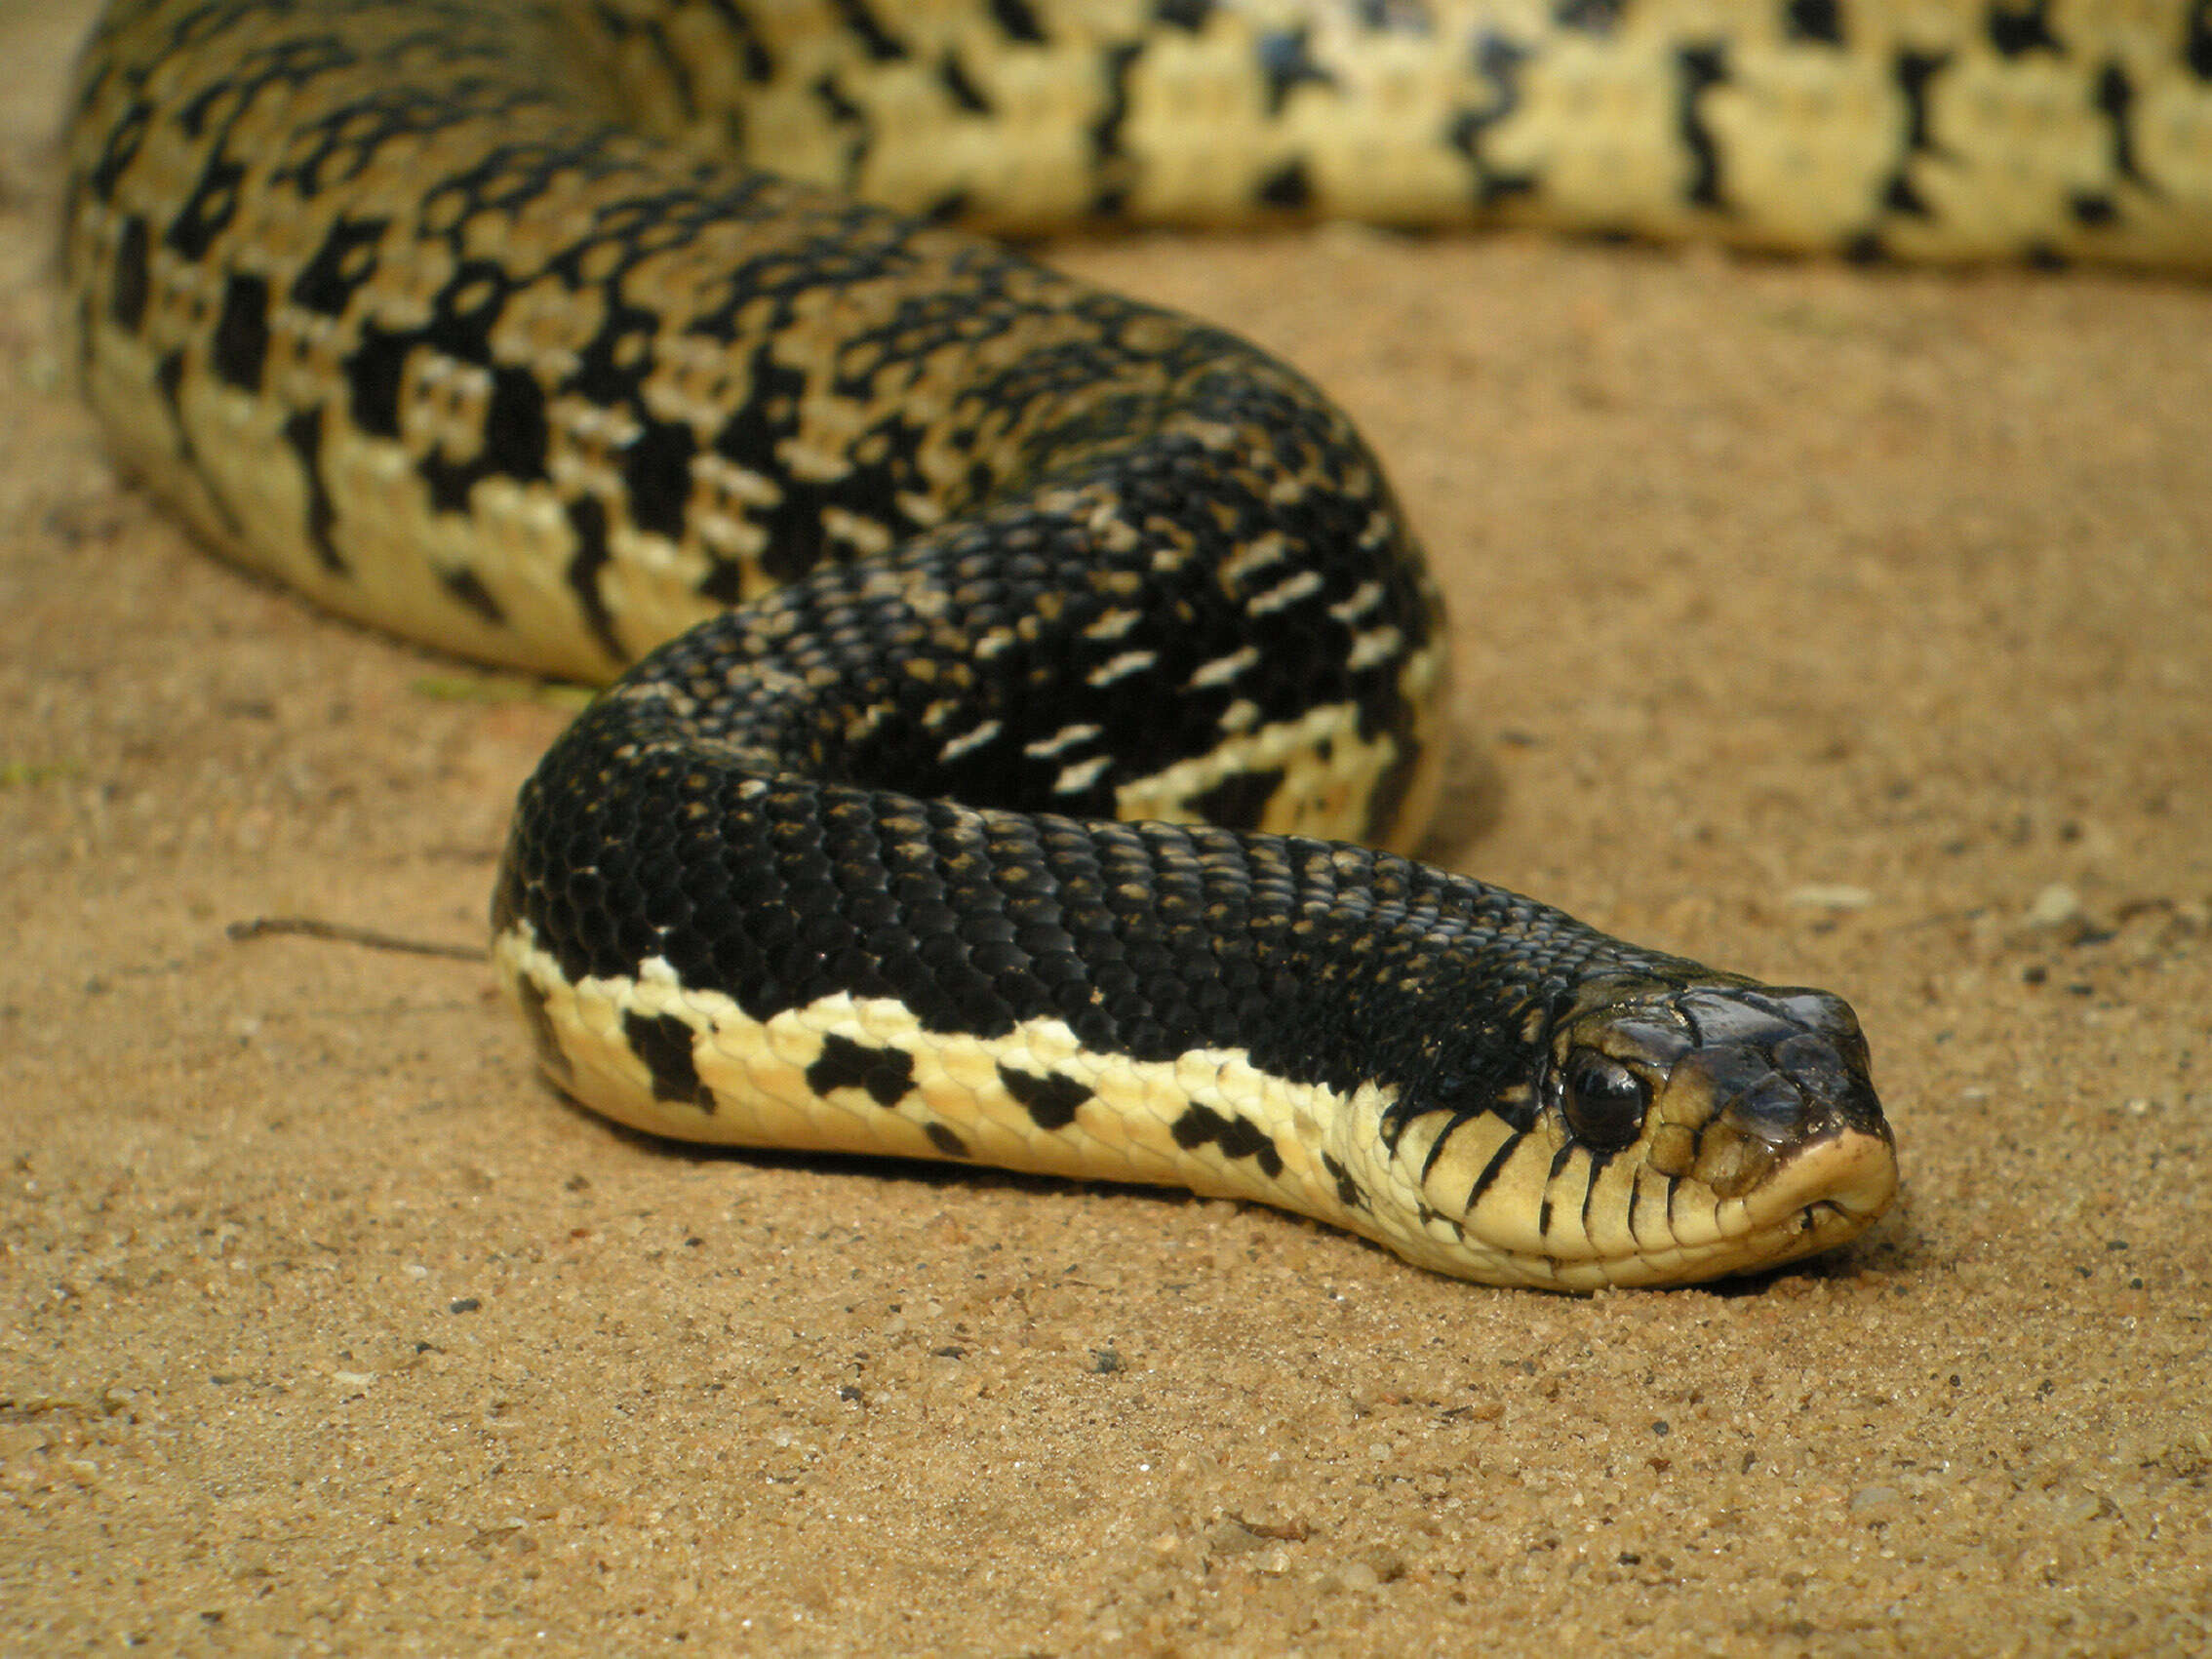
<point>1015,692</point>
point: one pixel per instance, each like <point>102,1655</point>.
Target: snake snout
<point>1774,1110</point>
<point>1774,1073</point>
<point>1807,1089</point>
<point>1783,1066</point>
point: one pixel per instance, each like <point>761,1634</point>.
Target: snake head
<point>1673,1131</point>
<point>1745,1114</point>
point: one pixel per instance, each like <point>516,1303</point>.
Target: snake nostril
<point>1816,1063</point>
<point>1830,1078</point>
<point>1773,1109</point>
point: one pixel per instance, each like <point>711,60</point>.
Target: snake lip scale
<point>1010,673</point>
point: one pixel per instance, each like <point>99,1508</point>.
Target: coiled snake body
<point>460,316</point>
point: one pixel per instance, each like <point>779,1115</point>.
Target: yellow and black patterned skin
<point>545,333</point>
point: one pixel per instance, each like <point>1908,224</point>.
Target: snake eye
<point>1603,1101</point>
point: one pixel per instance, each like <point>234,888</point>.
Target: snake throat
<point>1038,655</point>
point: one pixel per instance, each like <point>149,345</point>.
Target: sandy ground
<point>1845,628</point>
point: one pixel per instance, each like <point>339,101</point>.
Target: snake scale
<point>1027,641</point>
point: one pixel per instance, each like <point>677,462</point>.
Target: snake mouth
<point>1557,1218</point>
<point>1854,1175</point>
<point>1824,1194</point>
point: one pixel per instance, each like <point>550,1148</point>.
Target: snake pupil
<point>1603,1101</point>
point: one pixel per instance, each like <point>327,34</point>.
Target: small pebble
<point>1831,896</point>
<point>2054,906</point>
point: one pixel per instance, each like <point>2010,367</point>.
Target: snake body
<point>1025,640</point>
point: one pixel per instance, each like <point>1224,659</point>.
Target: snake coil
<point>1001,653</point>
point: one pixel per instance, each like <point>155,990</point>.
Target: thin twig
<point>307,926</point>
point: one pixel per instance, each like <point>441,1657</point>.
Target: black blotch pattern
<point>515,431</point>
<point>208,211</point>
<point>1289,187</point>
<point>949,207</point>
<point>514,438</point>
<point>242,331</point>
<point>1819,21</point>
<point>120,150</point>
<point>877,41</point>
<point>587,521</point>
<point>169,380</point>
<point>1017,22</point>
<point>1498,62</point>
<point>1286,62</point>
<point>1599,17</point>
<point>1700,68</point>
<point>550,1053</point>
<point>1107,146</point>
<point>303,437</point>
<point>346,261</point>
<point>2115,102</point>
<point>1052,1100</point>
<point>374,376</point>
<point>656,475</point>
<point>885,1074</point>
<point>844,113</point>
<point>1901,196</point>
<point>469,591</point>
<point>1235,1137</point>
<point>1915,73</point>
<point>613,366</point>
<point>945,1140</point>
<point>961,87</point>
<point>1348,1192</point>
<point>2016,30</point>
<point>663,1042</point>
<point>754,434</point>
<point>132,282</point>
<point>2093,210</point>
